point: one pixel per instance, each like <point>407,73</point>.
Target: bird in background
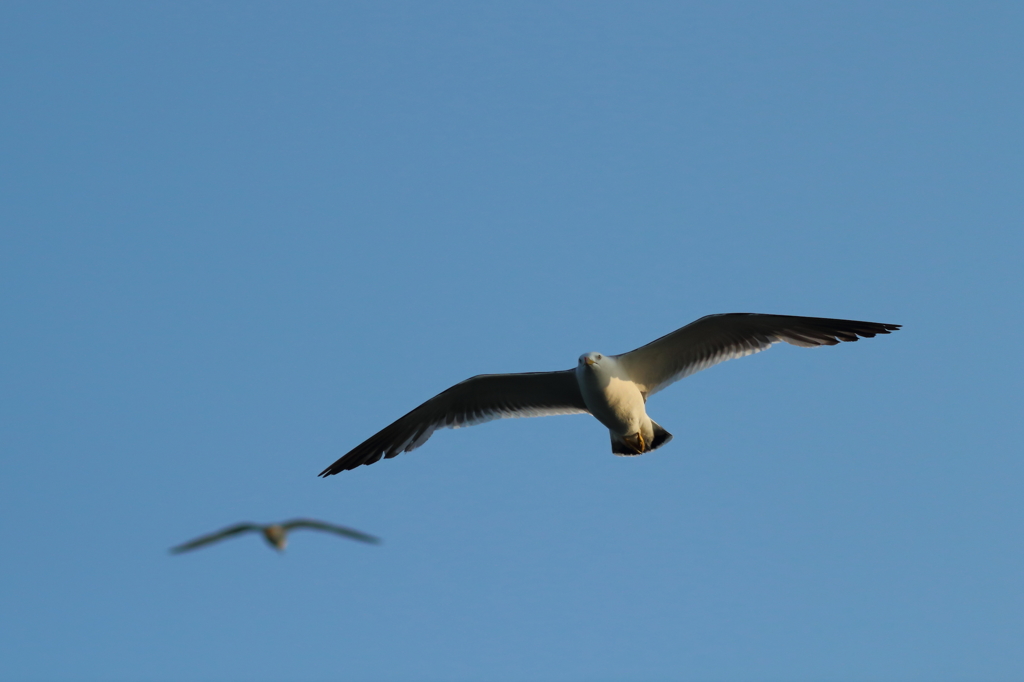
<point>612,388</point>
<point>276,534</point>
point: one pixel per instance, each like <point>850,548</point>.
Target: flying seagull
<point>275,533</point>
<point>613,388</point>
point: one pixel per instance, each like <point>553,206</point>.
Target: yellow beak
<point>588,361</point>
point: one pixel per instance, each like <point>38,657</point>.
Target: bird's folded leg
<point>636,441</point>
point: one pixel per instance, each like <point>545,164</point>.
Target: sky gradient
<point>237,239</point>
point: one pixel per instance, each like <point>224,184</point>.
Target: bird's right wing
<point>474,401</point>
<point>214,537</point>
<point>716,338</point>
<point>344,531</point>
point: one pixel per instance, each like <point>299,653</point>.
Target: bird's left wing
<point>331,528</point>
<point>214,537</point>
<point>474,401</point>
<point>716,338</point>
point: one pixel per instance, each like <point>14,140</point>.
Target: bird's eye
<point>598,356</point>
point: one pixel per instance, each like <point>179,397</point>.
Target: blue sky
<point>237,239</point>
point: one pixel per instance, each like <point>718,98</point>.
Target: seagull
<point>275,533</point>
<point>612,388</point>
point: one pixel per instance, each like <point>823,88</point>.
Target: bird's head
<point>276,536</point>
<point>588,360</point>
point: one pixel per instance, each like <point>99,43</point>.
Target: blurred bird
<point>275,533</point>
<point>613,388</point>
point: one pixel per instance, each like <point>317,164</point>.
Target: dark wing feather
<point>474,401</point>
<point>214,537</point>
<point>717,338</point>
<point>331,528</point>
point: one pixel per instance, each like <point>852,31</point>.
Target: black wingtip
<point>335,468</point>
<point>854,330</point>
<point>879,328</point>
<point>352,460</point>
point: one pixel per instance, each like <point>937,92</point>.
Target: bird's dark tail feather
<point>623,449</point>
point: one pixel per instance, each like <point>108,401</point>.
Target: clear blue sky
<point>236,239</point>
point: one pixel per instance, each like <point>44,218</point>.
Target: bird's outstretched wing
<point>474,401</point>
<point>717,338</point>
<point>214,537</point>
<point>331,528</point>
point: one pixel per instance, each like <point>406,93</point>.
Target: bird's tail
<point>622,447</point>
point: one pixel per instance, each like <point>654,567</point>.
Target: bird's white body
<point>277,536</point>
<point>616,401</point>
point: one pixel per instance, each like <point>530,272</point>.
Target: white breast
<point>612,397</point>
